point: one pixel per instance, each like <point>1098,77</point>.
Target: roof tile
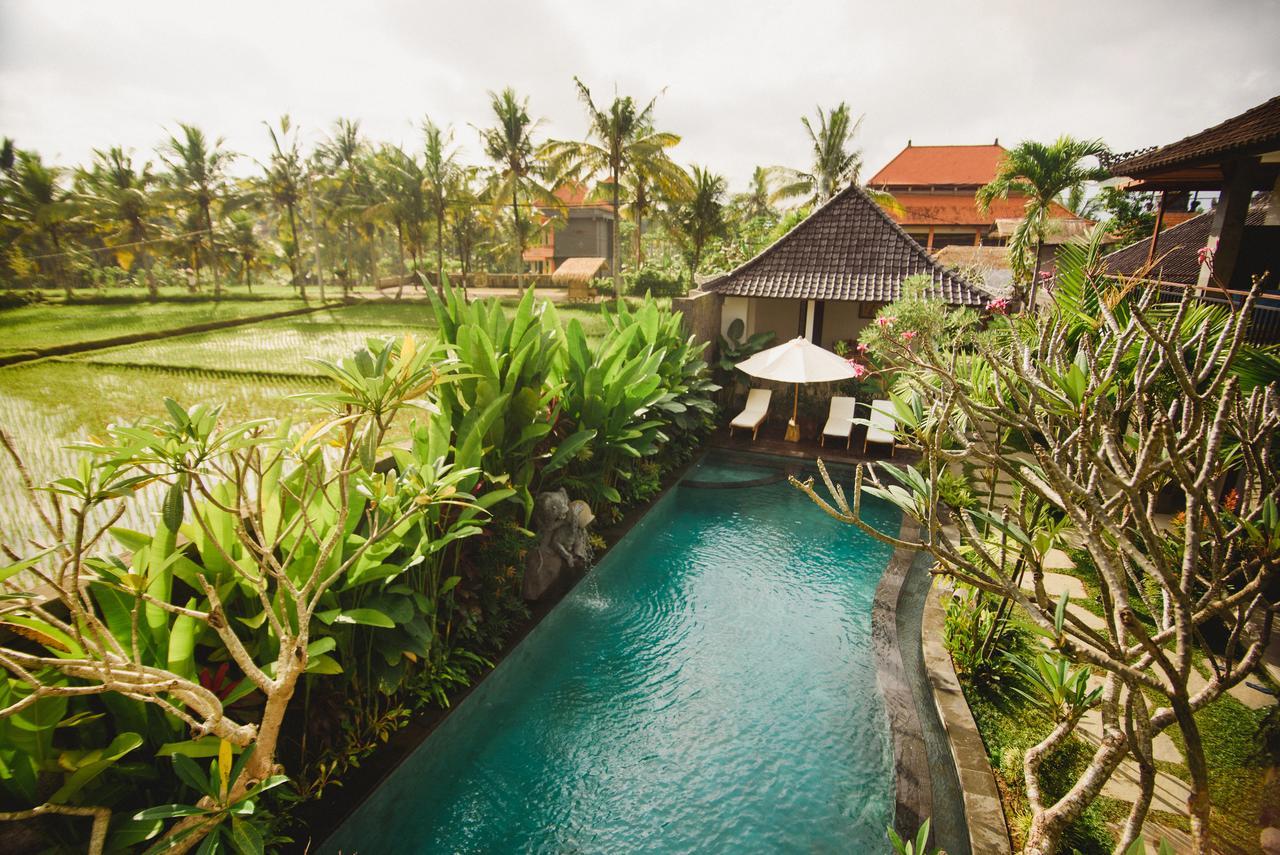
<point>849,249</point>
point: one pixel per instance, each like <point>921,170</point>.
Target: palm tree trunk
<point>294,252</point>
<point>1035,274</point>
<point>213,253</point>
<point>440,248</point>
<point>57,261</point>
<point>615,248</point>
<point>515,212</point>
<point>400,250</point>
<point>639,238</point>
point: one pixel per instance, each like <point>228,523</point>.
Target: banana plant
<point>608,410</point>
<point>503,404</point>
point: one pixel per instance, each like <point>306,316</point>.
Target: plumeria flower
<point>908,335</point>
<point>998,307</point>
<point>884,322</point>
<point>859,370</point>
<point>862,348</point>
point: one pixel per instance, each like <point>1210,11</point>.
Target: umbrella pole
<point>793,427</point>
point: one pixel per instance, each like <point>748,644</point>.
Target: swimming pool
<point>710,686</point>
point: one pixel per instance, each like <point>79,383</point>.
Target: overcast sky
<point>737,74</point>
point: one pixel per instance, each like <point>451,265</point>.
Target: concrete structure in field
<point>936,185</point>
<point>826,278</point>
<point>581,229</point>
<point>1240,158</point>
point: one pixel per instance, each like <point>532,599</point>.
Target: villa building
<point>826,278</point>
<point>1239,158</point>
<point>937,185</point>
<point>582,232</point>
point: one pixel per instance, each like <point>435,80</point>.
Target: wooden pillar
<point>977,237</point>
<point>930,246</point>
<point>1226,232</point>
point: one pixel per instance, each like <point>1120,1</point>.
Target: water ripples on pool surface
<point>710,687</point>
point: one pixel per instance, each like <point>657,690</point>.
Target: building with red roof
<point>936,186</point>
<point>580,228</point>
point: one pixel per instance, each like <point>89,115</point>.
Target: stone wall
<point>702,318</point>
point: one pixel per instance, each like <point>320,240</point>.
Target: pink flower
<point>908,335</point>
<point>998,307</point>
<point>1205,256</point>
<point>884,321</point>
<point>859,370</point>
<point>862,348</point>
<point>1045,275</point>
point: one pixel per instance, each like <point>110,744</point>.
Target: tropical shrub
<point>651,282</point>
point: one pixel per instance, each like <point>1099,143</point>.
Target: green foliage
<point>919,319</point>
<point>651,282</point>
<point>918,846</point>
<point>979,637</point>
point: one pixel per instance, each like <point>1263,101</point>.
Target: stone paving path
<point>1171,791</point>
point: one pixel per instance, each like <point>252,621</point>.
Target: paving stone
<point>1251,697</point>
<point>1170,794</point>
<point>1090,728</point>
<point>1056,559</point>
<point>1057,584</point>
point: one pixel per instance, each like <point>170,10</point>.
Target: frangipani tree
<point>259,525</point>
<point>1092,419</point>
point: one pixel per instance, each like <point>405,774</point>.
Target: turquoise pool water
<point>709,687</point>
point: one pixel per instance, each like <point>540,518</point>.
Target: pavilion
<point>826,278</point>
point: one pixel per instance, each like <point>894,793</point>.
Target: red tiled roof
<point>578,196</point>
<point>940,165</point>
<point>1252,132</point>
<point>848,249</point>
<point>960,209</point>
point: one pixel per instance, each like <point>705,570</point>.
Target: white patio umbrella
<point>798,361</point>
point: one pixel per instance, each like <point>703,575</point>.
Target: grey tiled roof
<point>849,249</point>
<point>1177,256</point>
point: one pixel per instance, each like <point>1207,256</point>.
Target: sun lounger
<point>881,426</point>
<point>840,420</point>
<point>753,415</point>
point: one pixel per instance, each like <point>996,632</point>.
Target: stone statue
<point>561,526</point>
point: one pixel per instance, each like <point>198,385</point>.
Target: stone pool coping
<point>913,790</point>
<point>984,812</point>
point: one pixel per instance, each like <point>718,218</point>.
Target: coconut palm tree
<point>518,166</point>
<point>836,161</point>
<point>1042,173</point>
<point>648,182</point>
<point>439,174</point>
<point>343,163</point>
<point>469,226</point>
<point>284,178</point>
<point>42,207</point>
<point>245,244</point>
<point>696,222</point>
<point>197,181</point>
<point>620,139</point>
<point>402,187</point>
<point>120,200</point>
<point>757,201</point>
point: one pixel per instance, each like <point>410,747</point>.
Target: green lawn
<point>48,325</point>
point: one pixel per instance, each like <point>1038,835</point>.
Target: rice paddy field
<point>254,370</point>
